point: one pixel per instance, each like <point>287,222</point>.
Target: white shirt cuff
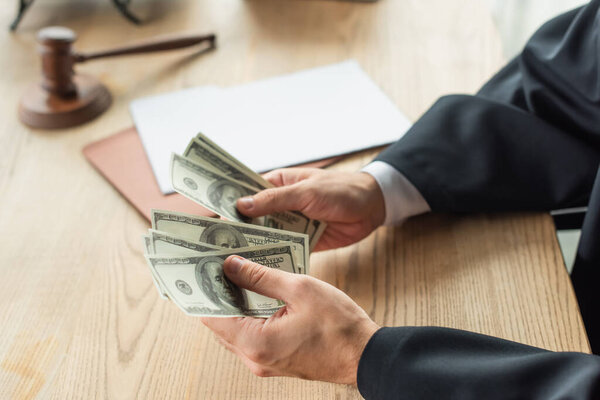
<point>402,199</point>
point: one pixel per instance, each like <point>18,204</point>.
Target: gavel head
<point>57,60</point>
<point>62,99</point>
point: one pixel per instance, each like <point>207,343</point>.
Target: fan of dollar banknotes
<point>185,252</point>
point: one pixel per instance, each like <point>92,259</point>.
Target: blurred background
<point>518,19</point>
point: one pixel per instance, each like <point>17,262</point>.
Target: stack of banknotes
<point>185,252</point>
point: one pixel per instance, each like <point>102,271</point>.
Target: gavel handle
<point>150,47</point>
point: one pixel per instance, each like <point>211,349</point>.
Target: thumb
<point>269,201</point>
<point>257,278</point>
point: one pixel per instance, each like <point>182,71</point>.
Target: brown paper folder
<point>121,159</point>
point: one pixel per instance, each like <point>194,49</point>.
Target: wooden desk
<point>79,315</point>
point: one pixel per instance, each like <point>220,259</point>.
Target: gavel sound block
<point>63,98</point>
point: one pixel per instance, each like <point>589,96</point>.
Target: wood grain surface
<point>79,315</point>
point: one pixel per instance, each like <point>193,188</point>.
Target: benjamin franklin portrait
<point>223,236</point>
<point>223,195</point>
<point>216,286</point>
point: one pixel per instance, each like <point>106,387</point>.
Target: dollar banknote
<point>208,154</point>
<point>206,142</point>
<point>165,243</point>
<point>205,156</point>
<point>156,242</point>
<point>202,153</point>
<point>217,232</point>
<point>198,285</point>
<point>219,193</point>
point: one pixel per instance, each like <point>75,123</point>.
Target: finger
<point>289,176</point>
<point>258,278</point>
<point>273,200</point>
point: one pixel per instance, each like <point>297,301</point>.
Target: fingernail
<point>234,264</point>
<point>246,202</point>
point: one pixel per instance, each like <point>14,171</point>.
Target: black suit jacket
<point>529,140</point>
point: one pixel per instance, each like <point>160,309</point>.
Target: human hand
<point>319,334</point>
<point>352,204</point>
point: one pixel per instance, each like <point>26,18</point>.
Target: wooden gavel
<point>64,98</point>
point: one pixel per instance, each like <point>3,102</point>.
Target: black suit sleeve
<point>529,140</point>
<point>439,363</point>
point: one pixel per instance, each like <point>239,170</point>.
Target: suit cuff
<point>377,362</point>
<point>402,199</point>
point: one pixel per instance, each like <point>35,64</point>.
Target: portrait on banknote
<point>224,236</point>
<point>216,286</point>
<point>223,195</point>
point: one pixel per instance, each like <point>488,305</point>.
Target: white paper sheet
<point>281,121</point>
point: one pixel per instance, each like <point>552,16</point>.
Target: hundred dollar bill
<point>208,188</point>
<point>198,286</point>
<point>229,234</point>
<point>208,154</point>
<point>219,193</point>
<point>205,141</point>
<point>205,156</point>
<point>148,251</point>
<point>163,243</point>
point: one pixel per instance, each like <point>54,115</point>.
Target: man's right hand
<point>352,204</point>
